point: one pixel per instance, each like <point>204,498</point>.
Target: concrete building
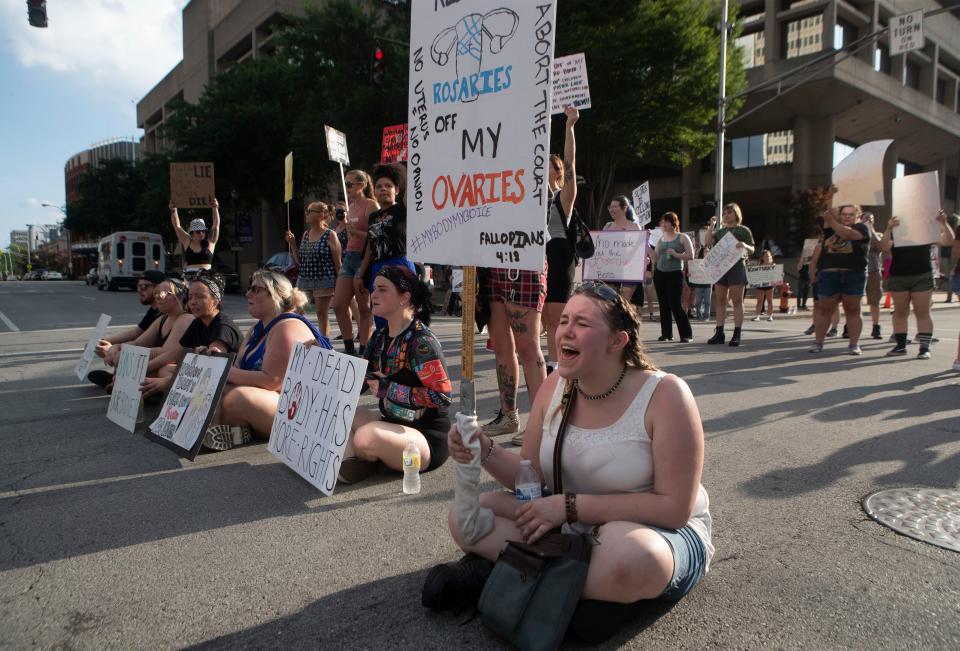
<point>19,238</point>
<point>81,163</point>
<point>793,143</point>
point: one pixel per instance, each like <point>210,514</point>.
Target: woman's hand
<point>358,287</point>
<point>460,452</point>
<point>103,346</point>
<point>942,217</point>
<point>154,385</point>
<point>536,518</point>
<point>202,350</point>
<point>712,223</point>
<point>172,207</point>
<point>216,204</point>
<point>738,245</point>
<point>289,237</point>
<point>572,115</point>
<point>893,223</point>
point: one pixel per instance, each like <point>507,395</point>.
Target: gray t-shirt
<point>666,262</point>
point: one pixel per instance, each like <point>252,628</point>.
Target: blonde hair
<point>557,162</point>
<point>367,183</point>
<point>736,210</point>
<point>284,295</point>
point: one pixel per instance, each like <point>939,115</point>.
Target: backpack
<point>577,232</point>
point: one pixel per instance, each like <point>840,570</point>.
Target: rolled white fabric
<point>473,521</point>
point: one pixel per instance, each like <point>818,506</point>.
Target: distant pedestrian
<point>733,282</point>
<point>954,267</point>
<point>764,293</point>
<point>669,255</point>
<point>319,258</point>
<point>701,293</point>
<point>874,276</point>
<point>622,216</point>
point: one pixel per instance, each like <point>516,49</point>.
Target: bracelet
<point>489,453</point>
<point>571,503</point>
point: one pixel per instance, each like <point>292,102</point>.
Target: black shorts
<point>561,269</point>
<point>434,426</point>
<point>736,275</point>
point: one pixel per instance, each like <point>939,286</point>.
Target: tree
<point>108,194</point>
<point>654,72</point>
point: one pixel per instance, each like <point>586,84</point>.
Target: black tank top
<point>162,338</point>
<point>203,256</point>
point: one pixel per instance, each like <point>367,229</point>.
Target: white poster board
<point>336,145</point>
<point>916,202</point>
<point>618,256</point>
<point>479,132</point>
<point>859,176</point>
<point>457,281</point>
<point>656,235</point>
<point>697,272</point>
<point>190,403</point>
<point>125,396</point>
<point>764,275</point>
<point>83,365</point>
<point>317,403</point>
<point>570,85</point>
<point>906,32</point>
<point>641,203</point>
<point>809,245</point>
<point>721,258</point>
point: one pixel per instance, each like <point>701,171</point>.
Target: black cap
<point>154,276</point>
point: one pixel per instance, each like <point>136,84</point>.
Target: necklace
<point>605,394</point>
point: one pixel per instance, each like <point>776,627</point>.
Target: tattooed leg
<point>525,324</point>
<point>507,384</point>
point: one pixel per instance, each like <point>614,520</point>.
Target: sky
<point>71,85</point>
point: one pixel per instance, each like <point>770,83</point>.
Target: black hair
<point>393,173</point>
<point>406,281</point>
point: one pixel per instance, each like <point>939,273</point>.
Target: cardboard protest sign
<point>641,203</point>
<point>288,177</point>
<point>916,202</point>
<point>192,185</point>
<point>336,145</point>
<point>859,176</point>
<point>125,396</point>
<point>721,257</point>
<point>765,275</point>
<point>809,245</point>
<point>394,147</point>
<point>479,129</point>
<point>83,365</point>
<point>697,272</point>
<point>570,85</point>
<point>618,256</point>
<point>190,403</point>
<point>317,403</point>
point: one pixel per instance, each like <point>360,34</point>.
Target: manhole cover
<point>929,515</point>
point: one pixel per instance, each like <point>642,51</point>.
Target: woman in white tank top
<point>631,460</point>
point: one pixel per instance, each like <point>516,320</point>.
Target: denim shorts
<point>847,283</point>
<point>955,283</point>
<point>350,263</point>
<point>689,561</point>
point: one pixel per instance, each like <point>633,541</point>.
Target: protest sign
<point>336,145</point>
<point>641,203</point>
<point>916,202</point>
<point>317,402</point>
<point>859,176</point>
<point>570,86</point>
<point>288,177</point>
<point>721,257</point>
<point>456,283</point>
<point>765,275</point>
<point>808,247</point>
<point>192,185</point>
<point>655,235</point>
<point>190,403</point>
<point>479,132</point>
<point>125,396</point>
<point>83,365</point>
<point>618,256</point>
<point>697,272</point>
<point>394,148</point>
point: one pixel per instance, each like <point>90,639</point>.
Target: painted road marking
<point>10,324</point>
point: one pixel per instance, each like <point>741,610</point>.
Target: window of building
<point>803,36</point>
<point>911,74</point>
<point>751,47</point>
<point>843,34</point>
<point>941,90</point>
<point>881,59</point>
<point>775,148</point>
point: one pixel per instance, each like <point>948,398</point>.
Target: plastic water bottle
<point>527,486</point>
<point>411,469</point>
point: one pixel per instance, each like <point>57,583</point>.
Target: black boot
<point>456,586</point>
<point>718,336</point>
<point>735,339</point>
<point>875,333</point>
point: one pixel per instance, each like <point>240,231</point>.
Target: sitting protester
<point>211,331</point>
<point>631,464</point>
<point>408,374</point>
<point>253,383</point>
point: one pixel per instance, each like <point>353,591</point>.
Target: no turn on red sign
<point>906,32</point>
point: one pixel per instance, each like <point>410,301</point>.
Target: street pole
<point>721,114</point>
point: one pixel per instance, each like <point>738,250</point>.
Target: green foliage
<point>804,209</point>
<point>108,193</point>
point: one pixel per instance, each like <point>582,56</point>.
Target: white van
<point>124,256</point>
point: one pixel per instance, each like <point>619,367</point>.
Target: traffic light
<point>378,63</point>
<point>37,12</point>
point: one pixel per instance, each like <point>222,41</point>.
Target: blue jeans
<point>701,302</point>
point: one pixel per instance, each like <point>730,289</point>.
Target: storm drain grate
<point>930,515</point>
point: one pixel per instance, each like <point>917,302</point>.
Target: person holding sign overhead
<point>198,245</point>
<point>253,385</point>
<point>732,283</point>
<point>668,256</point>
<point>911,283</point>
<point>361,206</point>
<point>408,374</point>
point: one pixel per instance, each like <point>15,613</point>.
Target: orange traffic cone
<point>886,301</point>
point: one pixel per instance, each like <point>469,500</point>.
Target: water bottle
<point>527,486</point>
<point>411,469</point>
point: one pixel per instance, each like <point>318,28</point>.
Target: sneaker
<point>897,351</point>
<point>832,332</point>
<point>810,330</point>
<point>218,437</point>
<point>875,333</point>
<point>456,586</point>
<point>508,423</point>
<point>770,318</point>
<point>756,318</point>
<point>100,378</point>
<point>490,345</point>
<point>854,349</point>
<point>517,439</point>
<point>815,348</point>
<point>241,435</point>
<point>355,469</point>
<point>924,354</point>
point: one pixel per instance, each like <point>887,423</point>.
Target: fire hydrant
<point>785,296</point>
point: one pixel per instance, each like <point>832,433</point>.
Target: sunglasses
<point>256,289</point>
<point>600,289</point>
<point>141,287</point>
<point>350,184</point>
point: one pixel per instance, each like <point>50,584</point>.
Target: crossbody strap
<point>568,398</point>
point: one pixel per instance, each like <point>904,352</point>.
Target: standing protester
<point>733,282</point>
<point>408,374</point>
<point>362,205</point>
<point>622,215</point>
<point>319,258</point>
<point>765,292</point>
<point>701,293</point>
<point>841,273</point>
<point>197,245</point>
<point>911,283</point>
<point>803,272</point>
<point>561,261</point>
<point>668,256</point>
<point>954,287</point>
<point>874,276</point>
<point>516,299</point>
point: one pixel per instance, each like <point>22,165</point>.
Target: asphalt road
<point>110,541</point>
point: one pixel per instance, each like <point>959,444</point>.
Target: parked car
<point>92,277</point>
<point>232,284</point>
<point>284,263</point>
<point>52,275</point>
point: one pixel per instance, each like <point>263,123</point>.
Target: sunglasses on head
<point>600,289</point>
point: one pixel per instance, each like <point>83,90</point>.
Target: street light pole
<point>721,113</point>
<point>63,210</point>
